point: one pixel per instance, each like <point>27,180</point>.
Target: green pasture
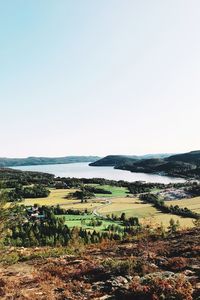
<point>115,190</point>
<point>83,221</point>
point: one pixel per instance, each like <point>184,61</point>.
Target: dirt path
<point>96,210</point>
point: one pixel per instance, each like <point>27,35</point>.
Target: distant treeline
<point>133,186</point>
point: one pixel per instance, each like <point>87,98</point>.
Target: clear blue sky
<point>99,77</point>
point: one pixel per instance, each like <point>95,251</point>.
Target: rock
<point>188,273</point>
<point>129,278</point>
<point>153,266</point>
<point>198,285</point>
<point>75,262</point>
<point>115,283</point>
<point>59,290</point>
<point>105,297</point>
<point>121,279</point>
<point>112,284</point>
<point>195,267</point>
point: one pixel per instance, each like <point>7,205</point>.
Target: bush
<point>177,263</point>
<point>119,267</point>
<point>10,258</point>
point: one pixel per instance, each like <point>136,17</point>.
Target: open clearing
<point>58,197</point>
<point>127,203</point>
<point>115,190</point>
<point>165,219</point>
<point>192,203</point>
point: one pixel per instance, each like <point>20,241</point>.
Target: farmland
<point>192,203</point>
<point>61,197</point>
<point>116,203</point>
<point>115,190</point>
<point>84,222</point>
<point>133,207</point>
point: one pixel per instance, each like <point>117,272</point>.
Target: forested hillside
<point>13,162</point>
<point>181,165</point>
<point>115,160</point>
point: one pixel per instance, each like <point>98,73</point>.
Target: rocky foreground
<point>149,268</point>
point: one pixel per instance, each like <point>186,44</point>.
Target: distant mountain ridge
<point>179,165</point>
<point>29,161</point>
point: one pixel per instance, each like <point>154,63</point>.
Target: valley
<point>61,234</point>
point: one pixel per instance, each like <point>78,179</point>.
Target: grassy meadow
<point>84,222</point>
<point>58,197</point>
<point>192,203</point>
<point>115,190</point>
<point>134,207</point>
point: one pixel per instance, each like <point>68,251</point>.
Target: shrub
<point>119,267</point>
<point>9,258</point>
<point>177,263</point>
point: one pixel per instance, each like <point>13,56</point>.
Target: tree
<point>4,214</point>
<point>197,223</point>
<point>173,226</point>
<point>123,217</point>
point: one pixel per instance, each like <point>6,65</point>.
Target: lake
<point>83,170</point>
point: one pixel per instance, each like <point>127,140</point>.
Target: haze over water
<point>83,170</point>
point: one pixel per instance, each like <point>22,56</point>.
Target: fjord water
<point>83,170</point>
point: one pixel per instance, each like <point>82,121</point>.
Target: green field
<point>115,190</point>
<point>76,221</point>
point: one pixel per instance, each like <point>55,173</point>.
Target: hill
<point>181,165</point>
<point>190,157</point>
<point>141,269</point>
<point>29,161</point>
<point>115,160</point>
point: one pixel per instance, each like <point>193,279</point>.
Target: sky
<point>99,77</point>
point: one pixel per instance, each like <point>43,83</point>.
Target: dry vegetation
<point>62,197</point>
<point>144,269</point>
<point>134,207</point>
<point>191,203</point>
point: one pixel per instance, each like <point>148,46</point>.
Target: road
<point>96,210</point>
